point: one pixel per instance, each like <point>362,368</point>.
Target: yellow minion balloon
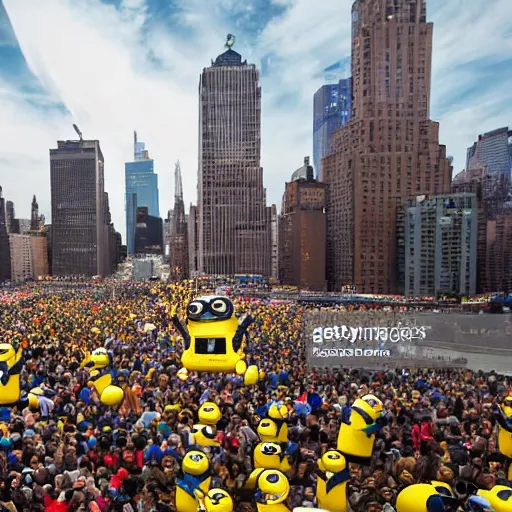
<point>10,370</point>
<point>504,419</point>
<point>331,486</point>
<point>217,500</point>
<point>499,497</point>
<point>101,378</point>
<point>272,490</point>
<point>205,432</point>
<point>194,478</point>
<point>271,456</point>
<point>359,424</point>
<point>433,497</point>
<point>214,341</point>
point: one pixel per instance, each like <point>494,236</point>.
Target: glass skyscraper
<point>332,106</point>
<point>141,190</point>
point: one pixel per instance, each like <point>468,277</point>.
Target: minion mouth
<point>211,346</point>
<point>273,497</point>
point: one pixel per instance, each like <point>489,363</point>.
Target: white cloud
<point>94,59</point>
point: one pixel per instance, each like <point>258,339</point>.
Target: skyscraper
<point>302,231</point>
<point>35,221</point>
<point>179,232</point>
<point>141,189</point>
<point>5,253</point>
<point>332,105</point>
<point>440,245</point>
<point>233,221</point>
<point>79,242</point>
<point>389,150</point>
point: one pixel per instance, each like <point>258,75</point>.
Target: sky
<point>112,66</point>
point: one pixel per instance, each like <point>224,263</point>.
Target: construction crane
<point>79,132</point>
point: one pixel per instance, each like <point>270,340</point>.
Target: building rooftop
<point>229,58</point>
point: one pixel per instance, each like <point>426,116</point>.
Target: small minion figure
<point>271,456</point>
<point>216,500</point>
<point>359,425</point>
<point>101,378</point>
<point>272,490</point>
<point>333,476</point>
<point>214,341</point>
<point>503,416</point>
<point>205,432</point>
<point>10,369</point>
<point>499,497</point>
<point>433,497</point>
<point>195,474</point>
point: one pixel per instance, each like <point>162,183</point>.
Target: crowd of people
<point>75,454</point>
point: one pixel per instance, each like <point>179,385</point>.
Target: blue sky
<point>112,66</point>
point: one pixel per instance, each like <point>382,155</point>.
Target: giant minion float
<point>359,424</point>
<point>504,418</point>
<point>332,479</point>
<point>108,393</point>
<point>193,481</point>
<point>11,365</point>
<point>214,340</point>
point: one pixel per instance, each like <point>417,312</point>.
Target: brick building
<point>233,220</point>
<point>388,151</point>
<point>302,232</point>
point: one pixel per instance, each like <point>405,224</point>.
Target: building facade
<point>388,151</point>
<point>472,182</point>
<point>22,268</point>
<point>491,156</point>
<point>149,233</point>
<point>233,221</point>
<point>440,245</point>
<point>193,241</point>
<point>274,235</point>
<point>302,233</point>
<point>39,250</point>
<point>141,189</point>
<point>178,246</point>
<point>493,152</point>
<point>5,251</point>
<point>79,243</point>
<point>332,108</point>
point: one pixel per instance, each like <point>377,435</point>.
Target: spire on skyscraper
<point>178,187</point>
<point>34,217</point>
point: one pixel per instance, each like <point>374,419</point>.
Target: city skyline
<point>158,95</point>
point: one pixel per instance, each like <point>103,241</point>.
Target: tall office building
<point>332,106</point>
<point>5,252</point>
<point>179,257</point>
<point>79,243</point>
<point>440,245</point>
<point>472,182</point>
<point>149,234</point>
<point>234,223</point>
<point>193,241</point>
<point>389,150</point>
<point>35,220</point>
<point>302,231</point>
<point>493,152</point>
<point>141,189</point>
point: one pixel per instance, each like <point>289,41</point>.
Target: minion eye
<point>372,402</point>
<point>195,308</point>
<point>333,457</point>
<point>217,497</point>
<point>208,409</point>
<point>196,457</point>
<point>273,478</point>
<point>219,306</point>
